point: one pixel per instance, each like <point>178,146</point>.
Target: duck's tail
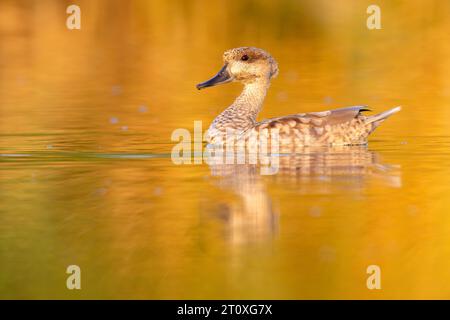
<point>377,119</point>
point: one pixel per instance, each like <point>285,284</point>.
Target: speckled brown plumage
<point>346,126</point>
<point>237,124</point>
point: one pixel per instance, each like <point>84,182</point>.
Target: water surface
<point>86,176</point>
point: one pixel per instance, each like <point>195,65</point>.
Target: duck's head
<point>246,65</point>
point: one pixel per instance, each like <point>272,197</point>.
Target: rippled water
<point>86,176</point>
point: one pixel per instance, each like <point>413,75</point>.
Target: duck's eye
<point>244,57</point>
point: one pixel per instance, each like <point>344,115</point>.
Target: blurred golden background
<point>86,176</point>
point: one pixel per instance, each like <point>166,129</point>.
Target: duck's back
<point>345,126</point>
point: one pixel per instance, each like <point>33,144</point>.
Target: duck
<point>255,68</point>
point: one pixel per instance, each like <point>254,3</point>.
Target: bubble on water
<point>327,254</point>
<point>113,120</point>
<point>328,100</point>
<point>116,90</point>
<point>413,210</point>
<point>143,108</point>
<point>315,211</point>
<point>21,80</point>
<point>157,191</point>
<point>101,191</point>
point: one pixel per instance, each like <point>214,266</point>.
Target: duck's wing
<point>345,126</point>
<point>338,126</point>
<point>322,118</point>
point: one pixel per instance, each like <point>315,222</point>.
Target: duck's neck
<point>251,99</point>
<point>241,115</point>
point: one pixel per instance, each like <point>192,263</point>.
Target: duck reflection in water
<point>253,217</point>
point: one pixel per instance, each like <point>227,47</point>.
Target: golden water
<point>86,176</point>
